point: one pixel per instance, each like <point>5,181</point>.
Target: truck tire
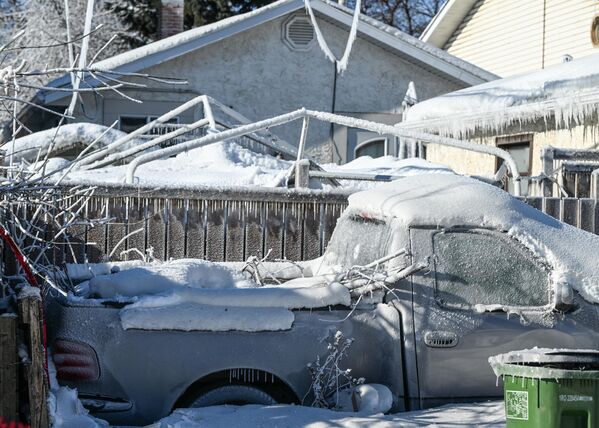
<point>233,394</point>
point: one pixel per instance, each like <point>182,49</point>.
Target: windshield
<point>357,240</point>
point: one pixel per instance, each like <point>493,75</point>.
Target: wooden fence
<point>208,224</point>
<point>232,225</point>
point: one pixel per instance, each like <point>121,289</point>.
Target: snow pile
<point>568,92</point>
<point>156,278</point>
<point>198,317</point>
<point>62,139</point>
<point>385,165</point>
<point>64,408</point>
<point>83,271</point>
<point>226,163</point>
<point>66,411</point>
<point>486,415</point>
<point>452,200</point>
<point>199,295</point>
<point>367,399</point>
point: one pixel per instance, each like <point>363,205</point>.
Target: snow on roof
<point>186,41</point>
<point>568,92</point>
<point>62,139</point>
<point>452,200</point>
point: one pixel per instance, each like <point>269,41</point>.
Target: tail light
<point>75,361</point>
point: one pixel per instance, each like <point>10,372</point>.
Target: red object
<point>31,279</point>
<point>12,424</point>
<point>75,361</point>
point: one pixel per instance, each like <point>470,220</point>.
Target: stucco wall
<point>578,137</point>
<point>258,75</point>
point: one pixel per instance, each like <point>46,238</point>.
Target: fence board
<point>234,235</point>
<point>587,215</point>
<point>95,247</point>
<point>275,224</point>
<point>215,231</point>
<point>195,235</point>
<point>569,211</point>
<point>176,229</point>
<point>292,249</point>
<point>9,368</point>
<point>254,230</point>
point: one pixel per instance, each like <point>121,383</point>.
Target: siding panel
<point>506,36</point>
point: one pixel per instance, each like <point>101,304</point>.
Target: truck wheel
<point>233,394</point>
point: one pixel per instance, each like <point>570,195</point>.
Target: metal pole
<point>302,141</point>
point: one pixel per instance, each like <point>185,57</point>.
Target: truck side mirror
<point>564,297</point>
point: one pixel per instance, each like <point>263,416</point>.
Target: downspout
<point>333,105</point>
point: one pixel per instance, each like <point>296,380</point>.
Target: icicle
<point>342,63</point>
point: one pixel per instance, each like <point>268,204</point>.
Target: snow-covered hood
<point>447,200</point>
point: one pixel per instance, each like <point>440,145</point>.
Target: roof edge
<point>446,21</point>
<point>430,56</point>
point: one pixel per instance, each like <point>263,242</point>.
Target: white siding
<point>509,37</point>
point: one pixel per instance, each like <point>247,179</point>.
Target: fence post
<point>9,369</point>
<point>302,173</point>
<point>595,184</point>
<point>31,317</point>
<point>547,157</point>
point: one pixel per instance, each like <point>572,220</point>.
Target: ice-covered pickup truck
<point>429,275</point>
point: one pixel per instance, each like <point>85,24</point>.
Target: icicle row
<point>353,31</point>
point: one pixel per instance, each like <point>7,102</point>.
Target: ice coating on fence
<point>447,200</point>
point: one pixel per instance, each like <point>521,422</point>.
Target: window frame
<point>373,140</point>
<point>148,118</point>
<point>512,241</point>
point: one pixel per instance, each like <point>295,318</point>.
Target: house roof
<point>409,47</point>
<point>566,93</point>
<point>446,21</point>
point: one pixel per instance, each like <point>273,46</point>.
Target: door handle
<point>440,339</point>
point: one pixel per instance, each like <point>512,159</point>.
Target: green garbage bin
<point>550,388</point>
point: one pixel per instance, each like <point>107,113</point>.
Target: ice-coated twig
<point>327,376</point>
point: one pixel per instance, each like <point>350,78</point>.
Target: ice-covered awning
<point>561,96</point>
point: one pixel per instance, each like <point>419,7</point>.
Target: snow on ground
<point>568,90</point>
<point>488,414</point>
<point>66,411</point>
<point>454,200</point>
<point>228,164</point>
<point>64,408</point>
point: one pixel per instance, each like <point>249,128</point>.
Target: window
<point>519,146</point>
<point>372,148</point>
<point>595,31</point>
<point>131,123</point>
<point>357,241</point>
<point>484,267</point>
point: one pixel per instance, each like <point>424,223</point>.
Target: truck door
<point>460,315</point>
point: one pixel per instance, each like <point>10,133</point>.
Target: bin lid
<point>548,363</point>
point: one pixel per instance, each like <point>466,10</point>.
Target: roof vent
<point>298,33</point>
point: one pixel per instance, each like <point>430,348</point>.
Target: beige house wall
<point>579,137</point>
<point>508,37</point>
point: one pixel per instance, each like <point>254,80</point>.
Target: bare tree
<point>410,16</point>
